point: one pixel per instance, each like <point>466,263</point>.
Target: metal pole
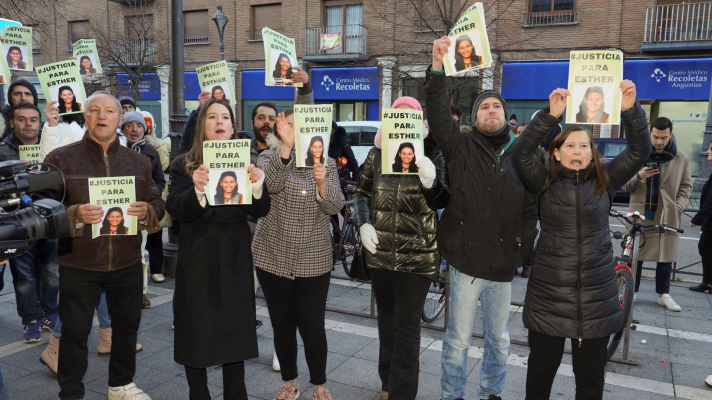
<point>222,47</point>
<point>177,121</point>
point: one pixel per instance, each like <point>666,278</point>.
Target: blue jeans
<point>495,298</point>
<point>102,314</point>
<point>42,255</point>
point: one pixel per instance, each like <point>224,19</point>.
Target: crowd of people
<point>487,197</point>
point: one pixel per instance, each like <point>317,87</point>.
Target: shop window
<point>611,150</point>
<point>196,27</point>
<point>269,16</point>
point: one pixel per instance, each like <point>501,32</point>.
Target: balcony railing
<point>196,38</point>
<point>353,40</point>
<point>137,51</point>
<point>568,17</point>
<point>678,22</point>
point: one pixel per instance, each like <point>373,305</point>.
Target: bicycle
<point>626,267</point>
<point>437,294</point>
<point>349,241</point>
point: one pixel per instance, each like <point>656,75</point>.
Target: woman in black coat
<point>703,219</point>
<point>572,291</point>
<point>214,298</point>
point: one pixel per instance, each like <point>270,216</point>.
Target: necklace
<point>113,231</point>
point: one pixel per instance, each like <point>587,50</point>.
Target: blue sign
<point>148,89</point>
<point>192,86</point>
<point>8,22</point>
<point>346,83</point>
<point>253,87</point>
<point>655,79</point>
<point>665,79</point>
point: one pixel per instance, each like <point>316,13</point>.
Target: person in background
<point>660,191</point>
<point>703,219</point>
<point>20,91</point>
<point>127,105</point>
<point>513,124</point>
<point>340,148</point>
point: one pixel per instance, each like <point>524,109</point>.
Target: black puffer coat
<point>572,290</point>
<point>404,215</point>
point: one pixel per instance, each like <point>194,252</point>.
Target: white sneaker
<point>708,381</point>
<point>275,363</point>
<point>158,278</point>
<point>128,392</point>
<point>667,301</point>
<point>635,296</point>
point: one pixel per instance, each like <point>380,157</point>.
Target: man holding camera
<point>111,262</point>
<point>660,192</point>
<point>37,308</point>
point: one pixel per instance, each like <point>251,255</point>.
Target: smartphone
<point>653,165</point>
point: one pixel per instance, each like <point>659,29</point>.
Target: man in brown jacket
<point>111,262</point>
<point>660,191</point>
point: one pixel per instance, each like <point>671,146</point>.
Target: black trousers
<point>79,292</point>
<point>663,272</point>
<point>298,304</point>
<point>399,297</point>
<point>233,382</point>
<point>545,357</point>
<point>154,245</point>
<point>705,248</point>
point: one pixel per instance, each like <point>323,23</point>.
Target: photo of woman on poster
<point>114,222</point>
<point>219,94</point>
<point>405,159</point>
<point>592,105</point>
<point>15,59</point>
<point>85,66</point>
<point>465,54</point>
<point>282,73</point>
<point>315,152</point>
<point>67,100</point>
<point>226,189</point>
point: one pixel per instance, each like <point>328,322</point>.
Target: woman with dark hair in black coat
<point>703,219</point>
<point>572,291</point>
<point>405,159</point>
<point>315,152</point>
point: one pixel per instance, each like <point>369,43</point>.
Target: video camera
<point>31,220</point>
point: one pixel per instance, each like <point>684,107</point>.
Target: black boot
<point>702,287</point>
<point>526,271</point>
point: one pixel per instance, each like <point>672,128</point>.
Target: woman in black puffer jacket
<point>572,290</point>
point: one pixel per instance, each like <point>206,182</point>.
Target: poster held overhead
<point>4,71</point>
<point>215,78</point>
<point>401,141</point>
<point>594,80</point>
<point>17,47</point>
<point>114,194</point>
<point>61,82</point>
<point>84,51</point>
<point>280,58</point>
<point>469,44</point>
<point>228,181</point>
<point>312,129</point>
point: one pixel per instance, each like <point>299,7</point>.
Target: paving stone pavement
<point>673,362</point>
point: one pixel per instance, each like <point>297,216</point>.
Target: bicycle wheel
<point>351,243</point>
<point>437,293</point>
<point>626,291</point>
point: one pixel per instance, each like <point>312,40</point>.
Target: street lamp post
<point>220,21</point>
<point>705,167</point>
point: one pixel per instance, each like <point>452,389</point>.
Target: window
<point>78,30</point>
<point>36,42</point>
<point>414,88</point>
<point>195,27</point>
<point>611,150</point>
<point>269,16</point>
<point>139,27</point>
<point>552,5</point>
<point>346,18</point>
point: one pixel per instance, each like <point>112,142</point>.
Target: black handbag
<point>359,270</point>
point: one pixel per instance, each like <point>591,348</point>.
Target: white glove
<point>257,187</point>
<point>426,172</point>
<point>369,238</point>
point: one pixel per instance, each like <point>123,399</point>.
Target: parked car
<point>360,135</point>
<point>609,148</point>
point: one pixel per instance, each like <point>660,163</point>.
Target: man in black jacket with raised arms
<point>485,233</point>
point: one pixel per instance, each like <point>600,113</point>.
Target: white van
<point>360,135</point>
